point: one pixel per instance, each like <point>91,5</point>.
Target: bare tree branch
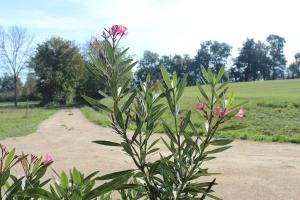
<point>15,43</point>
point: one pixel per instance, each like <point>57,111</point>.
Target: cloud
<point>170,26</point>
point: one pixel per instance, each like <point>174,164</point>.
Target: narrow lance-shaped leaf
<point>174,83</point>
<point>9,158</point>
<point>128,102</point>
<point>107,143</point>
<point>181,87</point>
<point>220,74</point>
<point>118,115</point>
<point>220,142</point>
<point>95,103</point>
<point>166,76</point>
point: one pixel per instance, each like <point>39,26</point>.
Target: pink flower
<point>220,113</point>
<point>48,159</point>
<point>116,30</point>
<point>200,106</point>
<point>241,113</point>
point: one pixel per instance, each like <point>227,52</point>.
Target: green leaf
<point>238,105</point>
<point>204,73</point>
<point>218,150</point>
<point>115,174</point>
<point>111,53</point>
<point>4,177</point>
<point>128,102</point>
<point>95,103</point>
<point>153,150</point>
<point>64,181</point>
<point>230,100</point>
<point>137,131</point>
<point>37,164</point>
<point>127,69</point>
<point>153,143</point>
<point>107,143</point>
<point>181,87</point>
<point>222,85</point>
<point>122,53</point>
<point>160,85</point>
<point>174,79</point>
<point>107,187</point>
<point>211,78</point>
<point>103,94</point>
<point>127,148</point>
<point>118,115</point>
<point>166,76</point>
<point>168,131</point>
<point>220,74</point>
<point>76,176</point>
<point>9,158</point>
<point>203,93</point>
<point>221,142</point>
<point>37,193</point>
<point>185,121</point>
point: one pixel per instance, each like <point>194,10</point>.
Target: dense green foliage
<point>59,68</point>
<point>28,91</point>
<point>7,86</point>
<point>212,54</point>
<point>255,61</point>
<point>31,182</point>
<point>294,68</point>
<point>272,110</point>
<point>92,84</point>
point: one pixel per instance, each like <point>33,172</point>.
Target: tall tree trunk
<point>16,91</point>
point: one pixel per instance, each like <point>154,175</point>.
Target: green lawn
<point>20,104</point>
<point>273,111</point>
<point>13,122</point>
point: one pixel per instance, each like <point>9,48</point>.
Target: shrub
<point>176,174</point>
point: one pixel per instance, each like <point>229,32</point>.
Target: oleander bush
<point>175,174</point>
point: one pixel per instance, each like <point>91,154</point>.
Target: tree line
<point>58,71</point>
<point>256,60</point>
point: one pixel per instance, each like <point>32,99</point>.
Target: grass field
<point>20,104</point>
<point>13,122</point>
<point>273,111</point>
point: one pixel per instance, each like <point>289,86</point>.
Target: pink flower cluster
<point>200,106</point>
<point>220,112</point>
<point>48,159</point>
<point>117,30</point>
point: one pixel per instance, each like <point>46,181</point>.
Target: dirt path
<point>250,170</point>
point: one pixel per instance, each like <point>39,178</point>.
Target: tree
<point>30,87</point>
<point>181,65</point>
<point>245,62</point>
<point>7,86</point>
<point>276,55</point>
<point>59,68</point>
<point>212,54</point>
<point>7,83</point>
<point>252,63</point>
<point>294,68</point>
<point>15,43</point>
<point>148,64</point>
<point>262,61</point>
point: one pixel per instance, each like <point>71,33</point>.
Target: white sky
<point>163,26</point>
